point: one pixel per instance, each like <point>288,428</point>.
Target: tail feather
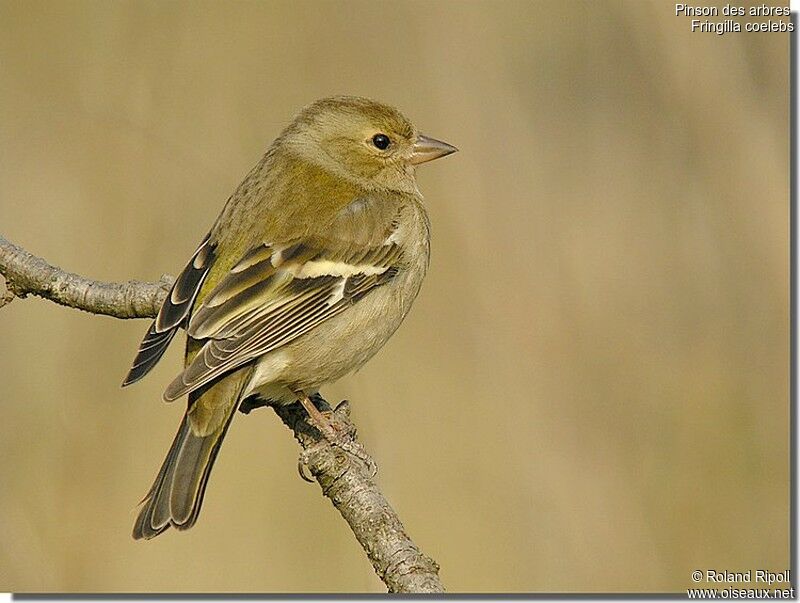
<point>154,516</point>
<point>176,495</point>
<point>196,456</point>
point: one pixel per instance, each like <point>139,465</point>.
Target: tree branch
<point>27,274</point>
<point>347,482</point>
<point>346,479</point>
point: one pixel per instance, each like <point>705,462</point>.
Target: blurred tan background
<point>591,393</point>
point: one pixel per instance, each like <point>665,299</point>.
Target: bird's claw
<point>356,449</point>
<point>349,446</point>
<point>333,431</point>
<point>302,463</point>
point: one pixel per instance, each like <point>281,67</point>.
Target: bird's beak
<point>428,149</point>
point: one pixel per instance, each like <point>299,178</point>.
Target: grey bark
<point>343,469</point>
<point>27,274</point>
<point>347,481</point>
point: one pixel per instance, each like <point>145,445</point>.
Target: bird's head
<point>363,140</point>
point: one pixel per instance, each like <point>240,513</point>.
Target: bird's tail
<point>177,493</point>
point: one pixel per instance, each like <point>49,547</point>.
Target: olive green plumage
<point>311,266</point>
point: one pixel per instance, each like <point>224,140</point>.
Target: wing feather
<point>173,313</point>
<point>272,296</point>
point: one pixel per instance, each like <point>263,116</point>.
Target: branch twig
<point>345,480</point>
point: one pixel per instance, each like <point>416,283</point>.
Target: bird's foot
<point>356,449</point>
<point>302,463</point>
<point>335,432</point>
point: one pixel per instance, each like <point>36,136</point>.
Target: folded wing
<point>275,294</point>
<point>173,313</point>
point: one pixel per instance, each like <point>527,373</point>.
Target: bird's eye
<point>381,141</point>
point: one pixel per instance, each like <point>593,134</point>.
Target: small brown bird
<point>312,265</point>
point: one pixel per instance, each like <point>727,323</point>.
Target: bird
<point>309,269</point>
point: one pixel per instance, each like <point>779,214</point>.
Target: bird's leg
<point>322,424</point>
<point>335,436</point>
<point>328,413</point>
<point>318,420</point>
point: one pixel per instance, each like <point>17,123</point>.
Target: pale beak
<point>428,149</point>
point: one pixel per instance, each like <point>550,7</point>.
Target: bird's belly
<point>345,342</point>
<point>338,346</point>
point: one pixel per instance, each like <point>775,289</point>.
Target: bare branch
<point>348,482</point>
<point>346,479</point>
<point>27,274</point>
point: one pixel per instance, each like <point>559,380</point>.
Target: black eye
<point>381,141</point>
